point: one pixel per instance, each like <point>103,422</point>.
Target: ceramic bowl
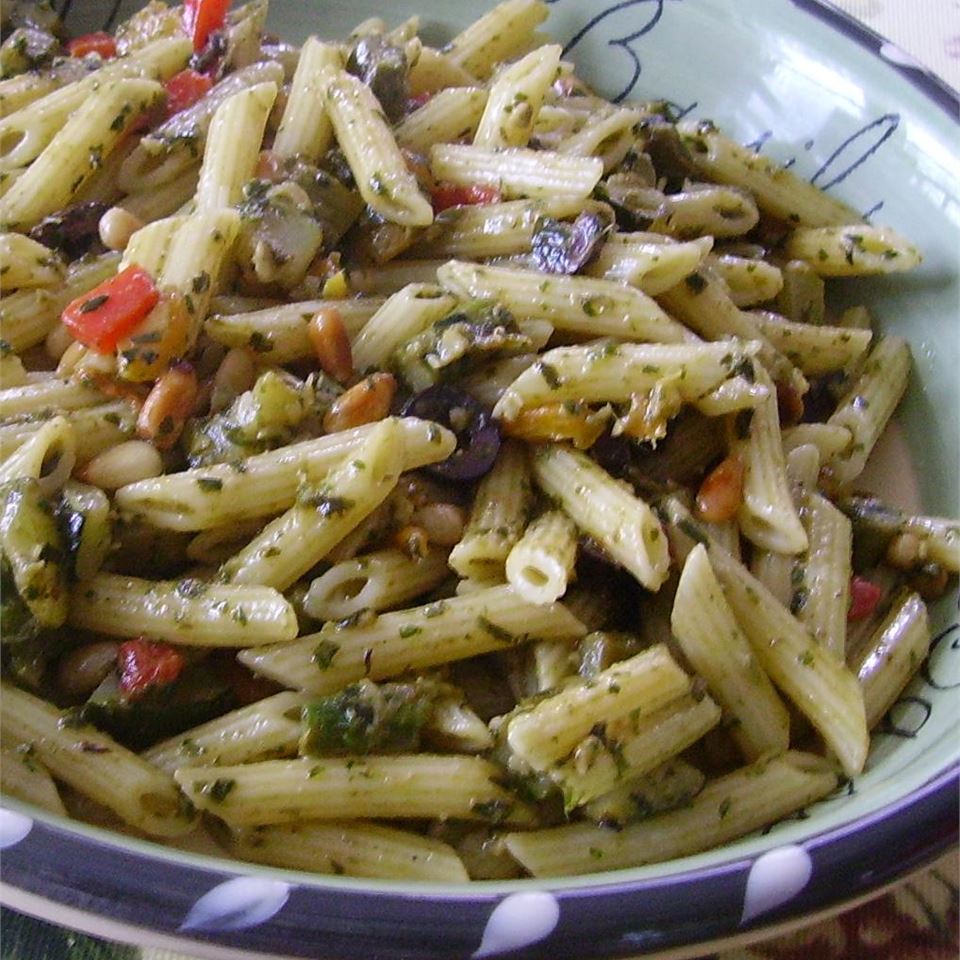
<point>858,118</point>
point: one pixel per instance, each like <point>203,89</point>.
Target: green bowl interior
<point>770,71</point>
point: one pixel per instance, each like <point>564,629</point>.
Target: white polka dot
<point>13,828</point>
<point>893,54</point>
<point>237,904</point>
<point>776,877</point>
<point>518,921</point>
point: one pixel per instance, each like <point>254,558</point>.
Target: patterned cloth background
<point>917,921</point>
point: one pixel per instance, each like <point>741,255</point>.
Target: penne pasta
<point>350,848</point>
<point>851,250</point>
<point>323,514</point>
<point>378,167</point>
<point>778,191</point>
<point>727,808</point>
<point>182,611</point>
<point>416,787</point>
<point>624,526</point>
<point>304,128</point>
<point>713,643</point>
<point>76,152</point>
<point>491,618</point>
<point>516,171</point>
<point>442,455</point>
<point>207,497</point>
<point>581,305</point>
<point>95,765</point>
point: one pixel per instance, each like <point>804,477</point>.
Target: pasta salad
<point>415,465</point>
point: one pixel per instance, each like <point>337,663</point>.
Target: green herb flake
<point>549,374</point>
<point>493,811</point>
<point>94,303</point>
<point>259,342</point>
<point>497,632</point>
<point>217,790</point>
<point>324,652</point>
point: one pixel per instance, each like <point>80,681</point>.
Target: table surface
<point>919,920</point>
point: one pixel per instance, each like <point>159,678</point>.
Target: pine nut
<point>930,581</point>
<point>117,226</point>
<point>269,166</point>
<point>125,463</point>
<point>331,344</point>
<point>167,407</point>
<point>366,402</point>
<point>92,366</point>
<point>236,374</point>
<point>81,670</point>
<point>906,551</point>
<point>58,341</point>
<point>721,493</point>
<point>71,356</point>
<point>413,541</point>
<point>442,523</point>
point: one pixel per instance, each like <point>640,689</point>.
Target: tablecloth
<point>918,920</point>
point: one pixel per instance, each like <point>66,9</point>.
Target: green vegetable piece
<point>368,718</point>
<point>17,624</point>
<point>32,545</point>
<point>267,416</point>
<point>478,331</point>
<point>83,515</point>
<point>162,711</point>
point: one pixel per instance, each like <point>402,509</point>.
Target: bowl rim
<point>917,826</point>
<point>910,831</point>
<point>929,83</point>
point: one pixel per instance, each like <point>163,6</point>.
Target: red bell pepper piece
<point>184,89</point>
<point>99,42</point>
<point>449,195</point>
<point>864,597</point>
<point>108,312</point>
<point>144,664</point>
<point>418,100</point>
<point>203,17</point>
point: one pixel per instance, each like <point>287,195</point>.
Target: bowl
<point>855,116</point>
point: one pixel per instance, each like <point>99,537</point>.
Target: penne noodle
<point>490,618</point>
<point>727,808</point>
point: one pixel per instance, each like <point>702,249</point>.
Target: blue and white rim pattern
<point>230,909</point>
<point>916,73</point>
<point>226,907</point>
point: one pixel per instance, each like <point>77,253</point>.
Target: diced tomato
<point>246,687</point>
<point>105,314</point>
<point>184,89</point>
<point>864,597</point>
<point>203,17</point>
<point>449,195</point>
<point>99,42</point>
<point>144,664</point>
<point>789,404</point>
<point>419,100</point>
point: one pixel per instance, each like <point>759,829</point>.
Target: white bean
<point>117,226</point>
<point>123,464</point>
<point>235,375</point>
<point>442,522</point>
<point>57,342</point>
<point>81,670</point>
